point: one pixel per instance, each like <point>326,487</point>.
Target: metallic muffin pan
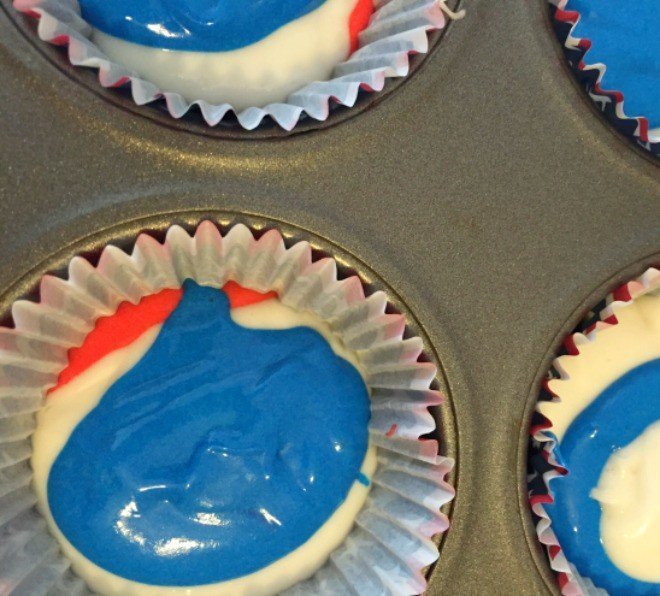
<point>485,193</point>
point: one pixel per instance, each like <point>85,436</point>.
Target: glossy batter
<point>615,419</point>
<point>230,485</point>
<point>609,396</point>
<point>198,25</point>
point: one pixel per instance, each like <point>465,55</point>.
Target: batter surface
<point>242,487</point>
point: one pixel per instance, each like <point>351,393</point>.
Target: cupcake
<point>250,54</point>
<point>595,488</point>
<point>268,58</point>
<point>220,415</point>
<point>614,50</point>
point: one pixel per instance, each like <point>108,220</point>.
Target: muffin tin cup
<point>390,543</point>
<point>545,462</point>
<point>397,29</point>
<point>609,102</point>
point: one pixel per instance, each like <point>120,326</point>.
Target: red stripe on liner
<point>622,293</point>
<point>541,426</point>
<point>643,128</point>
<point>121,81</point>
<point>567,16</point>
<point>542,499</point>
<point>60,40</point>
<point>571,348</point>
<point>554,550</point>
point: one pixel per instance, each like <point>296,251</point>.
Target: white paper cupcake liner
<point>390,543</point>
<point>549,466</point>
<point>397,29</point>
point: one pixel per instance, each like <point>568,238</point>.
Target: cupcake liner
<point>390,543</point>
<point>610,102</point>
<point>545,459</point>
<point>397,29</point>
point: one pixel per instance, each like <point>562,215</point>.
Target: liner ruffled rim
<point>544,465</point>
<point>397,29</point>
<point>390,544</point>
<point>610,102</point>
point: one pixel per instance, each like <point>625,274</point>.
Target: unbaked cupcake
<point>223,416</point>
<point>247,54</point>
<point>284,59</point>
<point>614,49</point>
<point>596,481</point>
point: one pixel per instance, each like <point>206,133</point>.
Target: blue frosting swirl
<point>625,36</point>
<point>194,25</point>
<point>612,421</point>
<point>221,451</point>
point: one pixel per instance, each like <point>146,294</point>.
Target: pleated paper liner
<point>590,75</point>
<point>545,466</point>
<point>398,28</point>
<point>390,544</point>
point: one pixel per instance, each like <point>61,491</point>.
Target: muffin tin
<point>484,192</point>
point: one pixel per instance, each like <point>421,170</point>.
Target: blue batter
<point>194,25</point>
<point>625,37</point>
<point>612,421</point>
<point>221,451</point>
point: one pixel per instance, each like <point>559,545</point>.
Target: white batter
<point>629,487</point>
<point>629,494</point>
<point>268,71</point>
<point>68,405</point>
<point>615,351</point>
